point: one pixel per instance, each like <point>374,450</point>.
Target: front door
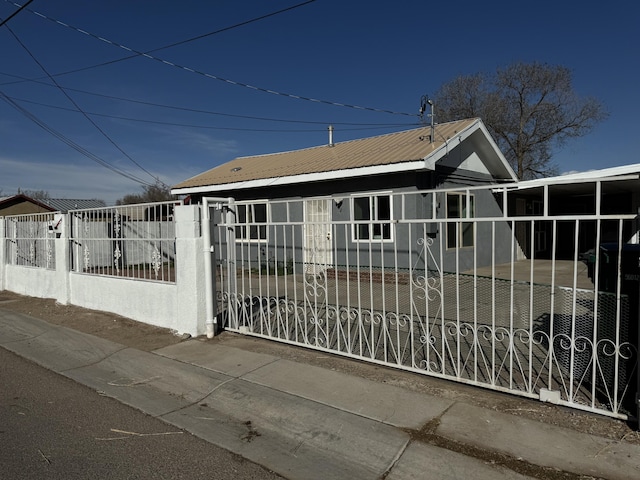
<point>318,252</point>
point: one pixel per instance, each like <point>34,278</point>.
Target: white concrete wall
<point>2,253</point>
<point>149,302</point>
<point>180,307</point>
<point>33,282</point>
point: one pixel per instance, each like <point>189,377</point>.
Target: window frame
<point>462,233</point>
<point>243,223</point>
<point>373,205</point>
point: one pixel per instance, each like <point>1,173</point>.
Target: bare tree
<point>530,109</point>
<point>35,194</point>
<point>158,192</point>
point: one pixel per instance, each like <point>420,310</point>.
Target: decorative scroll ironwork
<point>86,253</point>
<point>393,303</point>
<point>515,360</point>
<point>132,241</point>
<point>156,260</point>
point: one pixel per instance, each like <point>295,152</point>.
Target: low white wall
<point>33,282</point>
<point>179,306</point>
<point>144,301</point>
<point>2,254</point>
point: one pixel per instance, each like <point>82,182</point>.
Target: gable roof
<point>51,204</point>
<point>408,150</point>
<point>20,198</point>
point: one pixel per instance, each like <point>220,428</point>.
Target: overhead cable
<point>216,77</point>
<point>79,109</point>
<point>70,142</point>
<point>213,127</point>
<point>182,42</point>
<point>196,110</point>
<point>21,7</point>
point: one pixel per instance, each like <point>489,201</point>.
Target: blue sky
<point>382,56</point>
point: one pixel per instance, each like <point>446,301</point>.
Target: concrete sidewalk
<point>307,422</point>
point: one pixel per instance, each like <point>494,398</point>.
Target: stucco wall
<point>179,306</point>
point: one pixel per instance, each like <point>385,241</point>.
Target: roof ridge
<point>364,139</point>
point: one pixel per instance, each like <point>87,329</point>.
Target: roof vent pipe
<point>330,135</point>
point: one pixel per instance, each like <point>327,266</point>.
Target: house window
<point>251,222</point>
<point>460,234</point>
<point>376,210</point>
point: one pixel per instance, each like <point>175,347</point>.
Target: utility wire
<point>211,127</point>
<point>207,112</point>
<point>79,109</point>
<point>70,142</point>
<point>216,77</point>
<point>15,13</point>
<point>181,42</point>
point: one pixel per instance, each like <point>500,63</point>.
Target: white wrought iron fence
<point>130,241</point>
<point>30,240</point>
<point>531,304</point>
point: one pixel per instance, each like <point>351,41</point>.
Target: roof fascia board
<point>498,152</point>
<point>25,198</point>
<point>541,182</point>
<point>307,177</point>
<point>440,152</point>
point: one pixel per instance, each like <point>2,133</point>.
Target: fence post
<point>210,256</point>
<point>637,321</point>
<point>189,270</point>
<point>62,231</point>
<point>3,246</point>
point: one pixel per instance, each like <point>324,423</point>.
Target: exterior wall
<point>413,223</point>
<point>21,208</point>
<point>415,211</point>
<point>179,306</point>
<point>2,254</point>
<point>152,303</point>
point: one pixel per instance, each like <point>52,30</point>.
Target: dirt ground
<point>146,337</point>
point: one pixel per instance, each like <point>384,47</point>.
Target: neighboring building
<point>22,204</point>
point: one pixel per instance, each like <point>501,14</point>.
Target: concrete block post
<point>3,258</point>
<point>190,271</point>
<point>62,231</point>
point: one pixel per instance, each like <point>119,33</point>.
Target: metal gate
<point>474,298</point>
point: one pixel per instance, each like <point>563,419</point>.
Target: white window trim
<point>355,223</point>
<point>245,204</point>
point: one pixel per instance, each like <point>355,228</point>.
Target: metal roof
<point>401,151</point>
<point>66,204</point>
<point>618,174</point>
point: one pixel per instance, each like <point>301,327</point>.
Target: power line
<point>216,77</point>
<point>210,127</point>
<point>207,112</point>
<point>70,142</point>
<point>15,13</point>
<point>78,108</point>
<point>182,42</point>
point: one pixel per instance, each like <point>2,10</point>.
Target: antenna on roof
<point>424,101</point>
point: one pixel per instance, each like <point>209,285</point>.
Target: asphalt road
<point>54,428</point>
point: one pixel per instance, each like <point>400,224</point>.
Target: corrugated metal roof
<point>66,204</point>
<point>393,148</point>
